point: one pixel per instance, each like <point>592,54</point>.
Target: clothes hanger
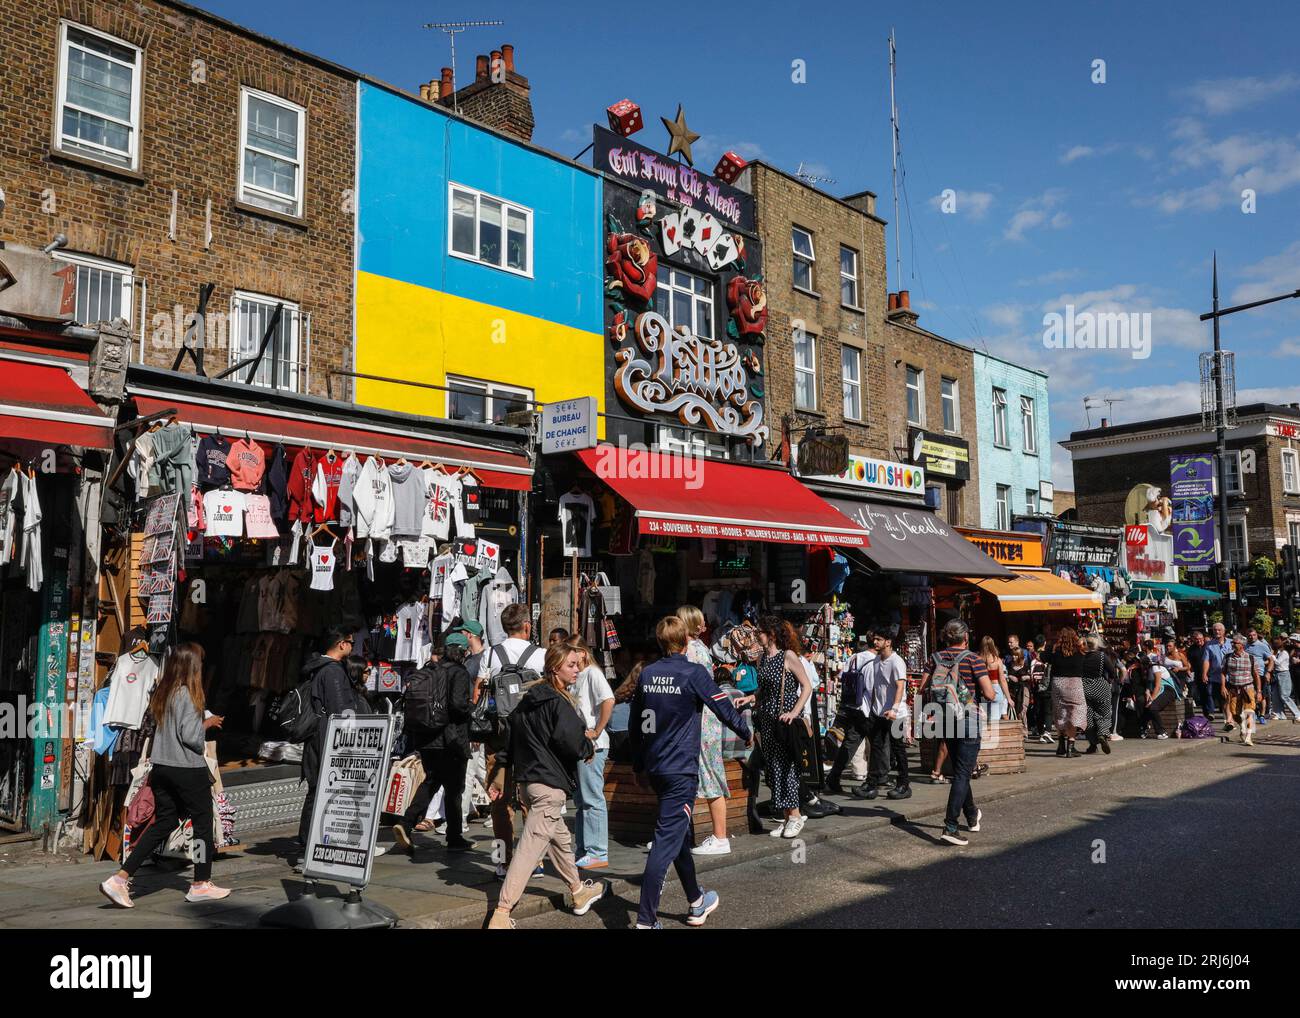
<point>425,465</point>
<point>331,455</point>
<point>325,527</point>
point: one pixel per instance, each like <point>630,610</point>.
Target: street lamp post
<point>1220,414</point>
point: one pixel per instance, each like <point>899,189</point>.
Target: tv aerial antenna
<point>1091,403</point>
<point>451,29</point>
<point>811,178</point>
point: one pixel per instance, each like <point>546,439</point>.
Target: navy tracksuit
<point>664,734</point>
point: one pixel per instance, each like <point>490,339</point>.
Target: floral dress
<point>713,770</point>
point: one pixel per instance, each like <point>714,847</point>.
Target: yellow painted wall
<point>423,335</point>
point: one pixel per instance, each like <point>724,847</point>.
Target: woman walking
<point>178,777</point>
<point>713,769</point>
<point>546,742</point>
<point>1098,673</point>
<point>1066,663</point>
<point>783,689</point>
<point>1283,653</point>
<point>997,707</point>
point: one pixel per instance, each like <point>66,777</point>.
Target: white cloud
<point>973,205</point>
<point>1270,276</point>
<point>1219,96</point>
<point>707,151</point>
<point>1047,278</point>
<point>1036,213</point>
<point>1078,152</point>
<point>1266,165</point>
<point>1289,348</point>
<point>1170,326</point>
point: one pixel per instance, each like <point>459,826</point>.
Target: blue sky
<point>1109,197</point>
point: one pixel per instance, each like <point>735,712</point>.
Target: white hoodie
<point>372,499</point>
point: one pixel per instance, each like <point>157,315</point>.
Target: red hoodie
<point>325,492</point>
<point>301,473</point>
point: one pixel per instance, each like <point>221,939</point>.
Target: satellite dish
<point>918,440</point>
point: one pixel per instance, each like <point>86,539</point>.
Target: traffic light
<point>1290,574</point>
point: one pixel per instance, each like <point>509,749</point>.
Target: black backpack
<point>294,714</point>
<point>512,681</point>
<point>424,701</point>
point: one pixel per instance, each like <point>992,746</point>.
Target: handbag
<point>795,737</point>
<point>405,777</point>
<point>140,804</point>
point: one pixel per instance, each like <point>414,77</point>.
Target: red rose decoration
<point>747,299</point>
<point>618,328</point>
<point>631,266</point>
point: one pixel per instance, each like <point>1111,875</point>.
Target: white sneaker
<point>380,850</point>
<point>979,815</point>
<point>207,892</point>
<point>713,846</point>
<point>793,826</point>
<point>1163,735</point>
<point>780,830</point>
<point>1117,738</point>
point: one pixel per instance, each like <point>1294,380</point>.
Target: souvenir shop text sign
<point>353,780</point>
<point>738,531</point>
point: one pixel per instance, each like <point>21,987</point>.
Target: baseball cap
<point>456,639</point>
<point>471,627</point>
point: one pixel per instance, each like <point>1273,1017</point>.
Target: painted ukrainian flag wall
<point>422,313</point>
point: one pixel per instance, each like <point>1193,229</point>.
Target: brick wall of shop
<point>782,202</point>
<point>909,344</point>
<point>189,144</point>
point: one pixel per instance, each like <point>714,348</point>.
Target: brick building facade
<point>173,149</point>
<point>1263,478</point>
<point>837,297</point>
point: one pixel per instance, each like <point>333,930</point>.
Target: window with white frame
<point>252,315</point>
<point>848,277</point>
<point>951,409</point>
<point>1031,501</point>
<point>472,399</point>
<point>1232,472</point>
<point>804,257</point>
<point>1000,418</point>
<point>98,105</point>
<point>1004,507</point>
<point>692,443</point>
<point>851,371</point>
<point>104,289</point>
<point>491,230</point>
<point>272,152</point>
<point>1293,532</point>
<point>915,396</point>
<point>1291,471</point>
<point>1238,549</point>
<point>1029,424</point>
<point>805,370</point>
<point>685,300</point>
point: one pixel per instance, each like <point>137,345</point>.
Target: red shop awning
<point>495,468</point>
<point>41,403</point>
<point>687,496</point>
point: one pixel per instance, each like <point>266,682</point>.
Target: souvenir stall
<point>273,521</point>
<point>54,442</point>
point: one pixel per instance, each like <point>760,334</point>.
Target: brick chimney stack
<point>900,308</point>
<point>499,96</point>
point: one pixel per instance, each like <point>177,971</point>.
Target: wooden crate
<point>1005,756</point>
<point>632,810</point>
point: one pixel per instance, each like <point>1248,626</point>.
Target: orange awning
<point>1037,590</point>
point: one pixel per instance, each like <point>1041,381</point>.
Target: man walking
<point>1263,655</point>
<point>1240,687</point>
<point>958,679</point>
<point>1216,650</point>
<point>886,694</point>
<point>1195,651</point>
<point>851,718</point>
<point>664,734</point>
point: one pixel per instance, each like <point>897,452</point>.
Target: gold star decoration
<point>680,135</point>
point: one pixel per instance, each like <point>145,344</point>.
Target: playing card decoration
<point>747,301</point>
<point>670,233</point>
<point>630,268</point>
<point>723,252</point>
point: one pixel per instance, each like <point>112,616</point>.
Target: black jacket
<point>547,739</point>
<point>455,734</point>
<point>331,693</point>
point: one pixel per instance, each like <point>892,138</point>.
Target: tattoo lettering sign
<point>704,381</point>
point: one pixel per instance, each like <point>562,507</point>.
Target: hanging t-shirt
<point>325,486</point>
<point>322,566</point>
<point>438,574</point>
<point>211,464</point>
<point>576,515</point>
<point>257,517</point>
<point>347,482</point>
<point>436,522</point>
<point>452,587</point>
<point>247,464</point>
<point>8,514</point>
<point>130,683</point>
<point>412,633</point>
<point>225,513</point>
<point>471,499</point>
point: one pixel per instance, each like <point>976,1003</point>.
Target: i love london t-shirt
<point>225,513</point>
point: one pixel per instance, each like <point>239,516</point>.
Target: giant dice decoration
<point>625,117</point>
<point>729,167</point>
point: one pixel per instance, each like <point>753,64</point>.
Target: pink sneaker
<point>118,891</point>
<point>207,892</point>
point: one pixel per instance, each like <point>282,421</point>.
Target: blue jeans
<point>962,751</point>
<point>1282,697</point>
<point>591,826</point>
<point>672,843</point>
<point>1206,691</point>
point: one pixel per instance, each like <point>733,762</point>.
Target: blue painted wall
<point>409,153</point>
<point>1002,465</point>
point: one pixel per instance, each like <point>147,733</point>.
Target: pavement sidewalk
<point>435,889</point>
